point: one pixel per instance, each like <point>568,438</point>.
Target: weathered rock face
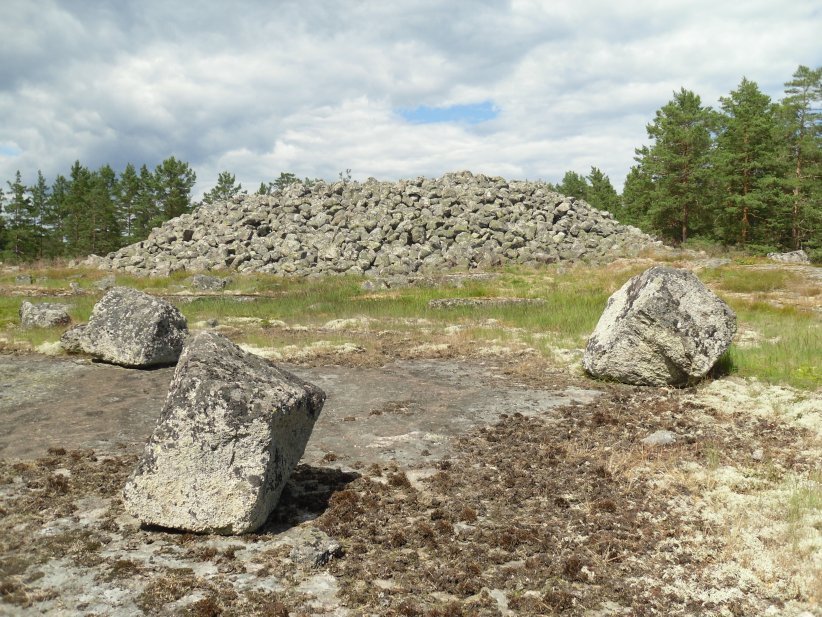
<point>663,327</point>
<point>231,432</point>
<point>460,221</point>
<point>43,315</point>
<point>132,328</point>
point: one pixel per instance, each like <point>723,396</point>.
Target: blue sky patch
<point>473,113</point>
<point>10,149</point>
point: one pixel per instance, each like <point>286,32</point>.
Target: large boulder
<point>44,315</point>
<point>231,432</point>
<point>663,327</point>
<point>133,329</point>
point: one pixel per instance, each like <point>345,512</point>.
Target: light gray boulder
<point>44,315</point>
<point>134,329</point>
<point>231,432</point>
<point>663,327</point>
<point>205,282</point>
<point>792,257</point>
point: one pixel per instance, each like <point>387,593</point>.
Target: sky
<point>521,89</point>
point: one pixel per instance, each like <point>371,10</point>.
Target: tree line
<point>98,211</point>
<point>748,174</point>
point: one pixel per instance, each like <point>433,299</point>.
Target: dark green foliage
<point>226,188</point>
<point>749,168</point>
<point>749,175</point>
<point>675,168</point>
<point>595,188</point>
<point>90,211</point>
<point>801,121</point>
<point>173,181</point>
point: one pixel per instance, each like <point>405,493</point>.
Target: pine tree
<point>39,192</point>
<point>677,164</point>
<point>173,181</point>
<point>20,236</point>
<point>573,185</point>
<point>147,214</point>
<point>127,191</point>
<point>101,227</point>
<point>55,217</point>
<point>601,193</point>
<point>226,188</point>
<point>801,116</point>
<point>76,210</point>
<point>748,167</point>
<point>637,195</point>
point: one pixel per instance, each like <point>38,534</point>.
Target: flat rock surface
<point>405,411</point>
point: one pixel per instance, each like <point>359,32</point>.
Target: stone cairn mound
<point>460,221</point>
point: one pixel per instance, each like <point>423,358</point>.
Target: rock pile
<point>663,327</point>
<point>459,221</point>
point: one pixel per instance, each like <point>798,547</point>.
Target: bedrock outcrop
<point>459,221</point>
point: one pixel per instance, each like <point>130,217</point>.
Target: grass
<point>791,350</point>
<point>750,281</point>
<point>573,299</point>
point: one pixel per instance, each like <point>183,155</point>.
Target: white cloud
<point>261,87</point>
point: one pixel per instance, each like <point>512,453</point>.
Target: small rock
<point>23,279</point>
<point>203,282</point>
<point>758,454</point>
<point>72,339</point>
<point>315,548</point>
<point>660,438</point>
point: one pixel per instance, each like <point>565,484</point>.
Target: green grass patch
<point>791,348</point>
<point>747,280</point>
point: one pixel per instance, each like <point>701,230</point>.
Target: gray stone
<point>72,339</point>
<point>231,432</point>
<point>133,329</point>
<point>204,282</point>
<point>23,279</point>
<point>660,438</point>
<point>663,327</point>
<point>44,315</point>
<point>106,283</point>
<point>792,257</point>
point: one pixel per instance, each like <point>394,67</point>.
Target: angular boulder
<point>231,432</point>
<point>663,327</point>
<point>133,329</point>
<point>44,315</point>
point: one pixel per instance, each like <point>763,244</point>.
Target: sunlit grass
<point>572,300</point>
<point>748,280</point>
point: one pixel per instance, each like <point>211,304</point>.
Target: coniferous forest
<point>748,174</point>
